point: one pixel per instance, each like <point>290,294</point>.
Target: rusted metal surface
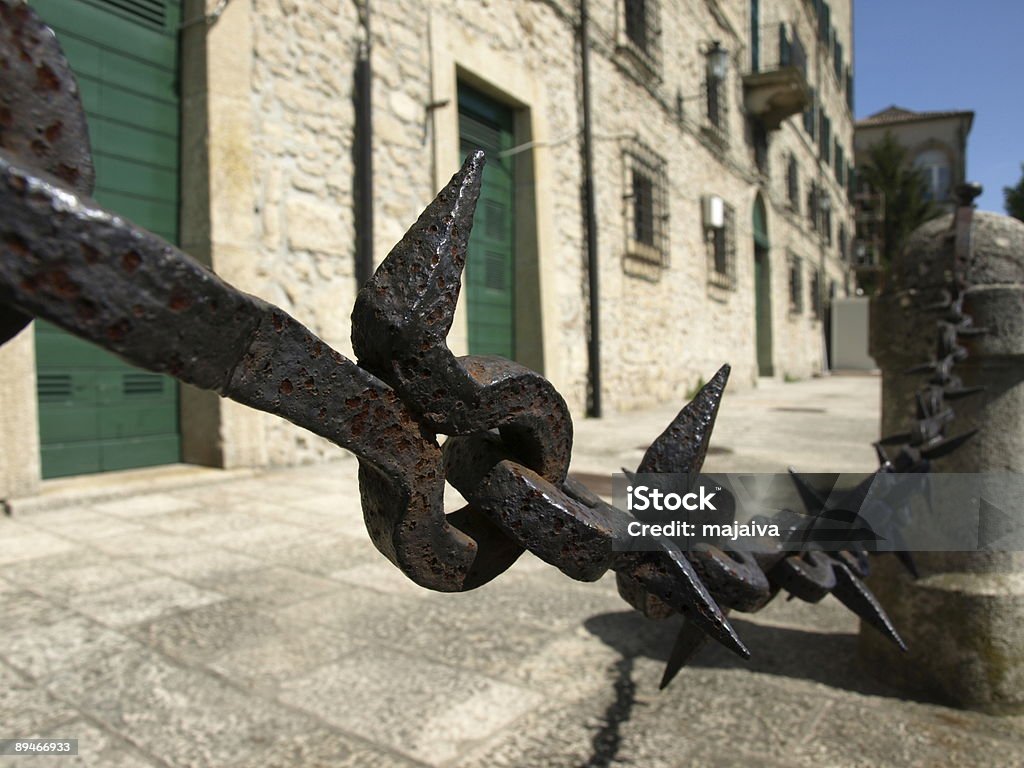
<point>66,259</point>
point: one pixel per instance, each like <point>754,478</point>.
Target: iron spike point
<point>689,640</point>
<point>854,594</point>
<point>417,286</point>
<point>947,446</point>
<point>683,446</point>
<point>814,504</point>
<point>907,561</point>
<point>962,392</point>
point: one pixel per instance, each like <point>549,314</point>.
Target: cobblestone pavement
<point>250,622</point>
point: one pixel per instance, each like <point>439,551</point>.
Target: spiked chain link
<point>66,259</point>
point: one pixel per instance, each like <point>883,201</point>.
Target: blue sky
<point>945,54</point>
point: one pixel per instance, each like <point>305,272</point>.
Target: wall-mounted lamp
<point>718,60</point>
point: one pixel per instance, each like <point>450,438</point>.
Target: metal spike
<point>667,574</point>
<point>947,446</point>
<point>682,447</point>
<point>898,439</point>
<point>855,595</point>
<point>907,561</point>
<point>961,392</point>
<point>814,503</point>
<point>689,640</point>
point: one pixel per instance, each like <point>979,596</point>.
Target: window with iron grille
<point>646,205</point>
<point>722,251</point>
<point>793,184</point>
<point>642,32</point>
<point>716,103</point>
<point>759,139</point>
<point>810,114</point>
<point>825,136</point>
<point>796,285</point>
<point>816,304</point>
<point>812,206</point>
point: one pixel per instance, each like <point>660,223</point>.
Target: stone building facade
<point>722,138</point>
<point>936,143</point>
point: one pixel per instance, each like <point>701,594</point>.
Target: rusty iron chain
<point>94,274</point>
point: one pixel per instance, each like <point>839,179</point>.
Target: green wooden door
<point>96,413</point>
<point>490,267</point>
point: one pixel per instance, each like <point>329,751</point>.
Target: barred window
<point>816,303</point>
<point>642,31</point>
<point>793,184</point>
<point>825,136</point>
<point>714,88</point>
<point>646,207</point>
<point>826,221</point>
<point>796,285</point>
<point>810,114</point>
<point>722,250</point>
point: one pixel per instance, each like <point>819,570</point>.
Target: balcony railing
<point>776,86</point>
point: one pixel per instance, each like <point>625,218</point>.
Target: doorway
<point>762,291</point>
<point>490,265</point>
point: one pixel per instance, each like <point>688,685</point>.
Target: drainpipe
<point>594,342</point>
<point>362,153</point>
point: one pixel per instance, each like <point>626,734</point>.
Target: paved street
<point>249,622</point>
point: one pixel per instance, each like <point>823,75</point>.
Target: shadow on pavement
<point>830,658</point>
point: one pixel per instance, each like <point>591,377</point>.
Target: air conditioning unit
<point>713,210</point>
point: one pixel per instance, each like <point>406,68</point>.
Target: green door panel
<point>97,413</point>
<point>490,266</point>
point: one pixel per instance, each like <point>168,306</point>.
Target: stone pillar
<point>963,619</point>
<point>218,224</point>
<point>19,423</point>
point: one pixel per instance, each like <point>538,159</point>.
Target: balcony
<point>776,86</point>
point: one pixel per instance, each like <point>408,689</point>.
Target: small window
<point>793,184</point>
<point>796,285</point>
<point>934,166</point>
<point>642,32</point>
<point>722,250</point>
<point>825,136</point>
<point>646,207</point>
<point>826,220</point>
<point>815,287</point>
<point>715,97</point>
<point>810,114</point>
<point>759,139</point>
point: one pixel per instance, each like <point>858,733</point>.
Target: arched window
<point>934,166</point>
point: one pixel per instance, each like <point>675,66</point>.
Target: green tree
<point>888,170</point>
<point>1014,197</point>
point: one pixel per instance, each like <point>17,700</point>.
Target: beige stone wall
<point>659,337</point>
<point>19,425</point>
<point>268,192</point>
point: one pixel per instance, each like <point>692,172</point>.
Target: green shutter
<point>490,267</point>
<point>96,413</point>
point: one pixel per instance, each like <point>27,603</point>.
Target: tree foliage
<point>889,171</point>
<point>1014,197</point>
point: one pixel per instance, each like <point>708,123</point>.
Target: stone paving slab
<point>252,623</point>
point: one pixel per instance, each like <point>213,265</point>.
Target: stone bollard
<point>963,618</point>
